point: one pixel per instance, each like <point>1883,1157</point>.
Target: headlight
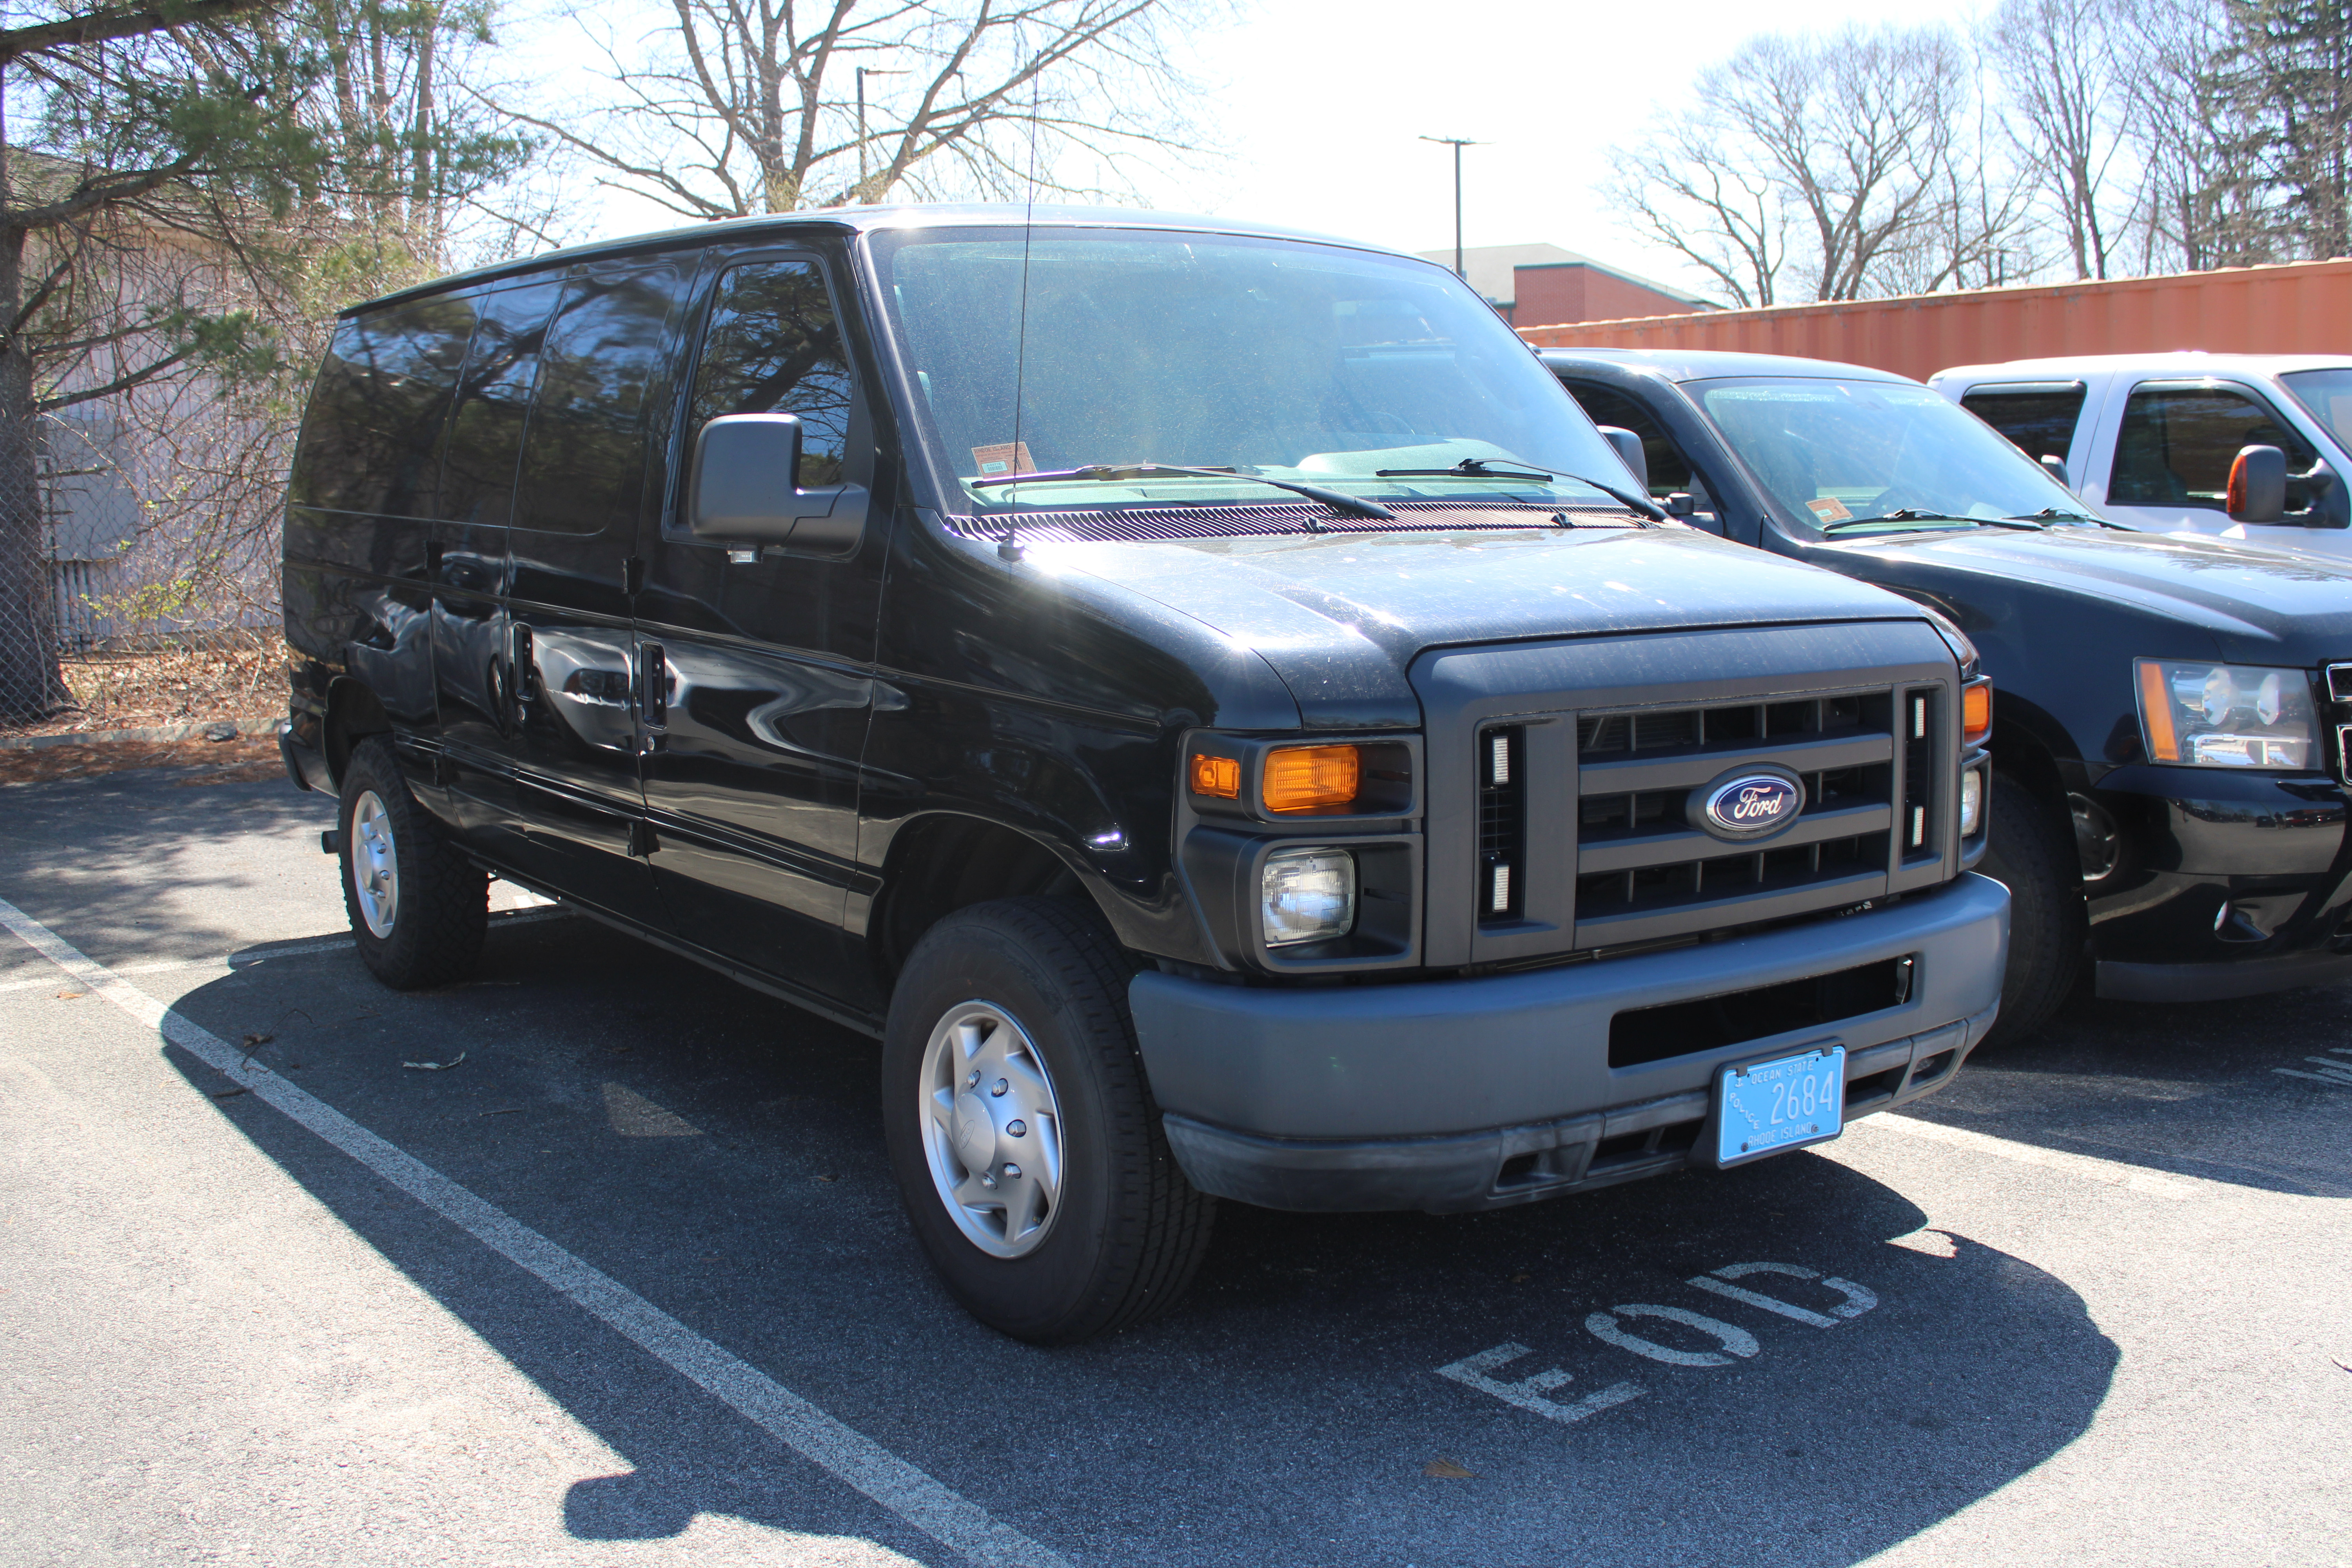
<point>1308,895</point>
<point>1971,801</point>
<point>2227,716</point>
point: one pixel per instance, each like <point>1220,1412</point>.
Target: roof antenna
<point>1009,547</point>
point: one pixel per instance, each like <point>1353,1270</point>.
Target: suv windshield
<point>1309,364</point>
<point>2327,393</point>
<point>1847,454</point>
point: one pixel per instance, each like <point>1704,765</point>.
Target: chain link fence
<point>138,567</point>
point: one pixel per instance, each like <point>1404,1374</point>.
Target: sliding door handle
<point>652,686</point>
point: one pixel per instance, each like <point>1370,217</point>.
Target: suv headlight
<point>2227,715</point>
<point>1308,895</point>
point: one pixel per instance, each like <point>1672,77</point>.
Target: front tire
<point>2032,853</point>
<point>418,909</point>
<point>1024,1136</point>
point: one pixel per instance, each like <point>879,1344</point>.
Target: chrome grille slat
<point>1688,770</point>
<point>1631,854</point>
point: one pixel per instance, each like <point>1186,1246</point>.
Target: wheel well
<point>2018,753</point>
<point>352,711</point>
<point>942,864</point>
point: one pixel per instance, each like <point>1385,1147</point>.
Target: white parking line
<point>2107,1173</point>
<point>939,1512</point>
<point>245,957</point>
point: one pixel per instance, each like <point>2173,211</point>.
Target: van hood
<point>1341,616</point>
<point>2240,605</point>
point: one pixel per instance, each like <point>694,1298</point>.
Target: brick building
<point>1542,286</point>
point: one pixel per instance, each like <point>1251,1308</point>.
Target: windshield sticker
<point>1829,508</point>
<point>1004,457</point>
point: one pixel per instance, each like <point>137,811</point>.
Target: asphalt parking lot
<point>595,1259</point>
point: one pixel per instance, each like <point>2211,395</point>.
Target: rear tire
<point>2032,853</point>
<point>418,909</point>
<point>1024,1136</point>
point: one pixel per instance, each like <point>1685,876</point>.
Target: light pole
<point>1457,143</point>
<point>863,72</point>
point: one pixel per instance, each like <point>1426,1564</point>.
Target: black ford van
<point>1203,696</point>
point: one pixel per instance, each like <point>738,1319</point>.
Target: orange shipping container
<point>2303,307</point>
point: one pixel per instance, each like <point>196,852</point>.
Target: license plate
<point>1765,1107</point>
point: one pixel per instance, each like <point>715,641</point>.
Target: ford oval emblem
<point>1749,805</point>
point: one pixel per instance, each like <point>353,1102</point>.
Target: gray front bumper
<point>1460,1094</point>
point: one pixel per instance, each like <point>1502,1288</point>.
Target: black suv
<point>1168,681</point>
<point>2168,793</point>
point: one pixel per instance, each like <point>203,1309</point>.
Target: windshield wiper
<point>1108,472</point>
<point>2052,514</point>
<point>1477,469</point>
<point>1912,514</point>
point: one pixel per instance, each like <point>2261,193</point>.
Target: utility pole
<point>863,72</point>
<point>1457,143</point>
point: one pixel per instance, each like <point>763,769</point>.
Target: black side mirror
<point>2330,505</point>
<point>744,489</point>
<point>1627,448</point>
<point>2257,491</point>
<point>2055,467</point>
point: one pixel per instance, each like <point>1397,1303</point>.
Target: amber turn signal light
<point>1311,778</point>
<point>1976,712</point>
<point>1218,776</point>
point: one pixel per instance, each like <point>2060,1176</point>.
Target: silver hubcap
<point>992,1129</point>
<point>375,869</point>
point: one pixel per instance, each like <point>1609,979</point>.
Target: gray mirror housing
<point>2257,491</point>
<point>1627,448</point>
<point>743,490</point>
<point>2055,467</point>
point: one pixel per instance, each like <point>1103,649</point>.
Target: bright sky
<point>1321,102</point>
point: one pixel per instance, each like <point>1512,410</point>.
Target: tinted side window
<point>773,346</point>
<point>2041,423</point>
<point>2176,444</point>
<point>1669,470</point>
<point>477,477</point>
<point>584,457</point>
<point>371,440</point>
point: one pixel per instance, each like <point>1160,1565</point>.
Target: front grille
<point>1643,865</point>
<point>1843,736</point>
<point>2339,694</point>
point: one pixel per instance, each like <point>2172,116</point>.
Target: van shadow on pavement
<point>720,1154</point>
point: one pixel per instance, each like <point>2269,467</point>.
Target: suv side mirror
<point>2330,505</point>
<point>2055,467</point>
<point>1627,448</point>
<point>2257,491</point>
<point>744,489</point>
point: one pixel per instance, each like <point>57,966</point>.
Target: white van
<point>2149,440</point>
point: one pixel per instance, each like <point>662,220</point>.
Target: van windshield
<point>1865,457</point>
<point>1311,363</point>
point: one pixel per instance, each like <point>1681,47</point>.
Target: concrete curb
<point>246,728</point>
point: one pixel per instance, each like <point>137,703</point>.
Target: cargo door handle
<point>525,674</point>
<point>652,686</point>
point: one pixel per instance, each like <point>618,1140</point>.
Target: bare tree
<point>1727,214</point>
<point>2203,201</point>
<point>749,106</point>
<point>1846,140</point>
<point>2066,102</point>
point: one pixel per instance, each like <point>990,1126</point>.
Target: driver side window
<point>773,346</point>
<point>2176,444</point>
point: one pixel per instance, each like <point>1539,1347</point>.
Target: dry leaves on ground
<point>248,759</point>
